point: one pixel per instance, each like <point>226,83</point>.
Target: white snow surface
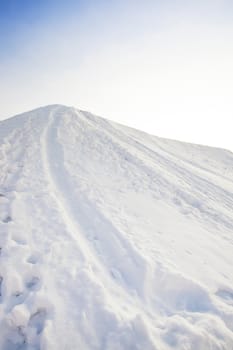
<point>112,238</point>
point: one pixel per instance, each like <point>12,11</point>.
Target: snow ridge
<point>111,238</point>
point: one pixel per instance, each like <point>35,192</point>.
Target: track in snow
<point>95,236</point>
<point>100,246</point>
<point>19,281</point>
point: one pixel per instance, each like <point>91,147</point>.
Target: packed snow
<point>112,239</point>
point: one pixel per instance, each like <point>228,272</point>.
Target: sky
<point>165,67</point>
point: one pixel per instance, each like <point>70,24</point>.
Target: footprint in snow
<point>116,274</point>
<point>33,283</point>
<point>37,320</point>
<point>19,297</point>
<point>32,259</point>
<point>19,240</point>
<point>16,298</point>
<point>7,219</point>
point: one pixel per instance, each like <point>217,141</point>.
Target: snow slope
<point>112,238</point>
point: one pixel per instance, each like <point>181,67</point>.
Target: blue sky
<point>161,66</point>
<point>19,19</point>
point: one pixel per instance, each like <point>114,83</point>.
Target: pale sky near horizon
<point>165,67</point>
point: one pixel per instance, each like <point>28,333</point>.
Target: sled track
<point>100,242</point>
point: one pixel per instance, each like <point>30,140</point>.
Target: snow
<point>112,238</point>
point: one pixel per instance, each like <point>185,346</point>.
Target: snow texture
<point>112,239</point>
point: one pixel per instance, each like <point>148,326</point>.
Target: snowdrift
<point>112,239</point>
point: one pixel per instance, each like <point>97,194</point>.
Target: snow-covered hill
<point>112,239</point>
